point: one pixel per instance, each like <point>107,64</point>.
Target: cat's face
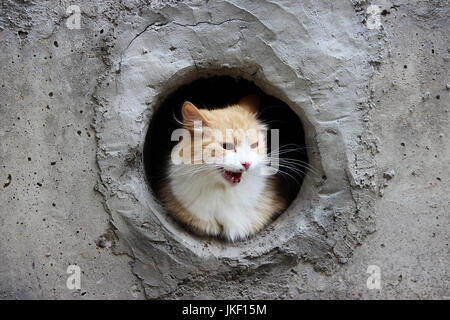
<point>236,152</point>
<point>233,143</point>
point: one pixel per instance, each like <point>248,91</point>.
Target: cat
<point>232,198</point>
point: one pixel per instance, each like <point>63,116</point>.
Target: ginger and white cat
<point>232,199</point>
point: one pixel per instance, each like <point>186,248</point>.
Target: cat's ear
<point>250,103</point>
<point>191,114</point>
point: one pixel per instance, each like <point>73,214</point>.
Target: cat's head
<point>229,143</point>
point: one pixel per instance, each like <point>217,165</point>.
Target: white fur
<point>211,198</point>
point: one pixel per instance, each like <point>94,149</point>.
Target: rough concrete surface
<point>369,79</point>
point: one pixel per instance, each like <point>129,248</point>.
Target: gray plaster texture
<point>368,79</point>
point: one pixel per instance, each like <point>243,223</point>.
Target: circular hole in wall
<point>220,92</point>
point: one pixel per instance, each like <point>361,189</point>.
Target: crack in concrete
<point>161,24</point>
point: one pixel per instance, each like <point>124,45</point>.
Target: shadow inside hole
<point>220,92</point>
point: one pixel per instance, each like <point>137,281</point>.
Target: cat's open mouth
<point>232,177</point>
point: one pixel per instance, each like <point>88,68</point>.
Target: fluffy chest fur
<point>233,211</point>
<point>230,196</point>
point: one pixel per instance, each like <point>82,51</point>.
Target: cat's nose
<point>246,165</point>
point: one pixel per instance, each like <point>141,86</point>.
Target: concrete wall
<point>57,88</point>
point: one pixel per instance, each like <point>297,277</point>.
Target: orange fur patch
<point>239,120</point>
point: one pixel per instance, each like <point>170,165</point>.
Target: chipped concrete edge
<point>166,261</point>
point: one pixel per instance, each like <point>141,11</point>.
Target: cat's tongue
<point>233,177</point>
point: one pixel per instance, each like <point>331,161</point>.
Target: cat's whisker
<point>187,170</point>
<point>294,166</point>
<point>279,152</point>
<point>177,121</point>
<point>297,147</point>
<point>296,162</point>
<point>300,165</point>
<point>283,173</point>
<point>210,197</point>
<point>294,169</point>
<point>298,169</point>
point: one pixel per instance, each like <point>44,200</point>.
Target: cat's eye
<point>228,146</point>
<point>254,145</point>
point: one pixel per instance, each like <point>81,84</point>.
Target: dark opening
<point>219,92</point>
